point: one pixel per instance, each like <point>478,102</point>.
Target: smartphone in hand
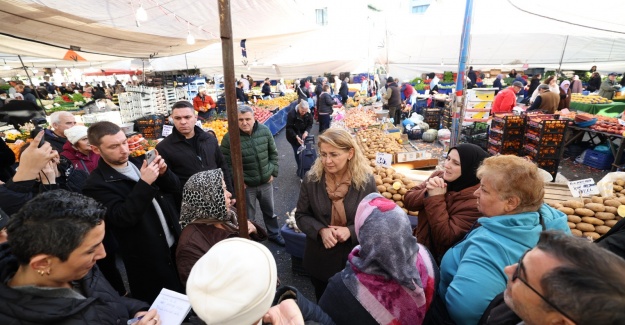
<point>150,156</point>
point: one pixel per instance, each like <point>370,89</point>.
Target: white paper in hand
<point>172,307</point>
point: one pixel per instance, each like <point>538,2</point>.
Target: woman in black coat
<point>594,83</point>
<point>344,90</point>
<point>299,121</point>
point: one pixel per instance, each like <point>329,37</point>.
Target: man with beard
<point>140,210</point>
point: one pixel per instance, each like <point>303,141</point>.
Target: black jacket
<point>266,89</point>
<point>614,240</point>
<point>344,90</point>
<point>339,303</point>
<point>7,159</point>
<point>55,141</point>
<point>185,161</point>
<point>296,125</point>
<point>13,195</point>
<point>102,306</point>
<point>241,95</point>
<point>133,220</point>
<point>594,83</point>
<point>325,103</point>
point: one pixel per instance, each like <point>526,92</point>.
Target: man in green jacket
<point>260,166</point>
<point>609,86</point>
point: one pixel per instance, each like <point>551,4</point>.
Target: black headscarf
<point>471,157</point>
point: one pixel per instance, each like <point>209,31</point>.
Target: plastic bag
<point>416,118</point>
<point>605,185</point>
<point>444,134</point>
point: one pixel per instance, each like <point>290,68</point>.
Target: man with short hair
<point>506,99</point>
<point>266,90</point>
<point>260,166</point>
<point>60,121</point>
<point>393,98</point>
<point>189,150</point>
<point>567,280</point>
<point>140,210</point>
<point>546,101</point>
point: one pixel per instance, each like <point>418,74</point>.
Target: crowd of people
<point>486,249</point>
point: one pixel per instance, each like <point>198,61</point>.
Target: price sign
<point>167,129</point>
<point>383,159</point>
<point>583,187</point>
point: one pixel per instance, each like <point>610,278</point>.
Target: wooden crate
<point>555,193</point>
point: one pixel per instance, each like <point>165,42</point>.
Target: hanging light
<point>141,14</point>
<point>190,38</point>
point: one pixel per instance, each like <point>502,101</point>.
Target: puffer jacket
<point>443,219</point>
<point>102,305</point>
<point>259,155</point>
<point>79,160</point>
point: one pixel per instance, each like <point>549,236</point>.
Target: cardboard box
<point>411,154</point>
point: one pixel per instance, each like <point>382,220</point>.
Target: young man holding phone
<point>140,210</point>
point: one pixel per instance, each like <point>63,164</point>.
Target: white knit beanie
<point>234,283</point>
<point>76,133</point>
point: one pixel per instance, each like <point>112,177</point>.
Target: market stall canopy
<point>508,34</point>
<point>110,27</point>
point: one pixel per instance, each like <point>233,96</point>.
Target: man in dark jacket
<point>60,121</point>
<point>188,149</point>
<point>266,90</point>
<point>139,210</point>
<point>472,78</point>
<point>344,90</point>
<point>299,121</point>
<point>260,166</point>
<point>394,100</point>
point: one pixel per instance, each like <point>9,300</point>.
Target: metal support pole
<point>225,27</point>
<point>562,57</point>
<point>31,81</point>
<point>465,44</point>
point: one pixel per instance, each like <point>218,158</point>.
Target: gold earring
<point>40,272</point>
<point>48,271</point>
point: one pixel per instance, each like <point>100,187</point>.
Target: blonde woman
<point>338,180</point>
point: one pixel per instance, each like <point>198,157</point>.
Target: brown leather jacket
<point>197,238</point>
<point>443,219</point>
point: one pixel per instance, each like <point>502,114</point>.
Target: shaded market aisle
<point>286,193</point>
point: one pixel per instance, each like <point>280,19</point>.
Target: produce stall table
<point>610,110</point>
<point>576,134</point>
<point>557,193</point>
<point>278,121</point>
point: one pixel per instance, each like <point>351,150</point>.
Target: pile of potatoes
<point>393,185</point>
<point>375,140</point>
<point>593,216</point>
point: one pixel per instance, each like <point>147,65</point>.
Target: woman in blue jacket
<point>511,198</point>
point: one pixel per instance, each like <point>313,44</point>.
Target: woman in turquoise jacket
<point>511,198</point>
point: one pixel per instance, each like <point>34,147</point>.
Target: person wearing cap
<point>221,290</point>
<point>506,99</point>
<point>609,86</point>
<point>546,101</point>
<point>78,150</point>
<point>299,121</point>
<point>203,104</point>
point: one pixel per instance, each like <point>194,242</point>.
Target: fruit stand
<point>594,104</point>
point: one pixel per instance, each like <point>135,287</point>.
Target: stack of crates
<point>544,141</point>
<point>506,135</point>
<point>432,116</point>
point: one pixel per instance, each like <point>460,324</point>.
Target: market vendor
<point>609,86</point>
<point>506,99</point>
<point>203,104</point>
<point>546,101</point>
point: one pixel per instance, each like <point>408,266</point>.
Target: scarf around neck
<point>392,276</point>
<point>337,189</point>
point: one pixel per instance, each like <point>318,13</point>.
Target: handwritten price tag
<point>383,159</point>
<point>167,129</point>
<point>583,187</point>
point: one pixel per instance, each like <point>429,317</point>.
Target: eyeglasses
<point>517,275</point>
